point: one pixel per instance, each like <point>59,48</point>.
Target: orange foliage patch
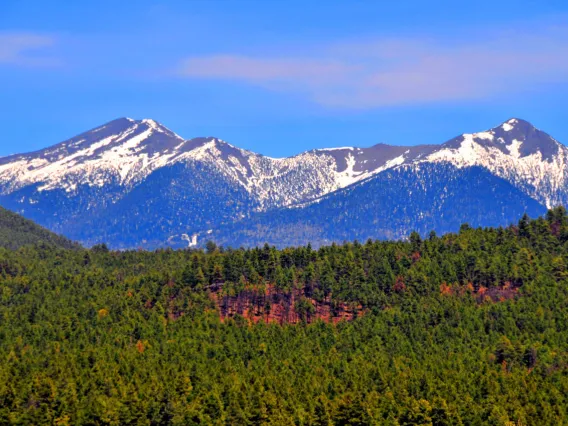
<point>483,294</point>
<point>272,306</point>
<point>399,285</point>
<point>445,289</point>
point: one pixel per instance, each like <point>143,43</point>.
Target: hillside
<point>466,328</point>
<point>389,206</point>
<point>16,231</point>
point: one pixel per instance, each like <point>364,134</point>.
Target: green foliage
<point>463,329</point>
<point>16,231</point>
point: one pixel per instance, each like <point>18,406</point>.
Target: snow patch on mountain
<point>510,124</point>
<point>338,148</point>
<point>514,148</point>
<point>348,176</point>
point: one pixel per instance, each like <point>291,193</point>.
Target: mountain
<point>420,197</point>
<point>16,231</point>
<point>135,183</point>
<point>527,157</point>
<point>122,153</point>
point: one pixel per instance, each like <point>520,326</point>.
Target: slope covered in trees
<point>389,205</point>
<point>462,329</point>
<point>16,231</point>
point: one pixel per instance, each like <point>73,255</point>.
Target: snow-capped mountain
<point>135,182</point>
<point>122,152</point>
<point>125,151</point>
<point>527,157</point>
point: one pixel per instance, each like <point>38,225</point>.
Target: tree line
<point>461,329</point>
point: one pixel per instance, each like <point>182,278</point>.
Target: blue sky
<point>281,77</point>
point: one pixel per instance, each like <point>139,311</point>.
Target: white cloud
<point>403,71</point>
<point>25,49</point>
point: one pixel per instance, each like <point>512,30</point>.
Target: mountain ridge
<point>127,166</point>
<point>422,198</point>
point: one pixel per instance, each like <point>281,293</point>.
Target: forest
<point>466,328</point>
<point>17,231</point>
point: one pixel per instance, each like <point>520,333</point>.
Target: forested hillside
<point>460,329</point>
<point>16,231</point>
<point>388,206</point>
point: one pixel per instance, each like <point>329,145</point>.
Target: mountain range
<point>135,183</point>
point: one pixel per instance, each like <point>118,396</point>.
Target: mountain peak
<point>515,137</point>
<point>516,123</point>
<point>153,124</point>
<point>527,137</point>
<point>123,150</point>
<point>124,124</point>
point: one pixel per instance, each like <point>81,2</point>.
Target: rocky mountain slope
<point>136,183</point>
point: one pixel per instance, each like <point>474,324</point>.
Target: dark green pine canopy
<point>16,231</point>
<point>467,328</point>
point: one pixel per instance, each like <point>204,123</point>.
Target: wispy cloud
<point>262,70</point>
<point>403,71</point>
<point>25,49</point>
